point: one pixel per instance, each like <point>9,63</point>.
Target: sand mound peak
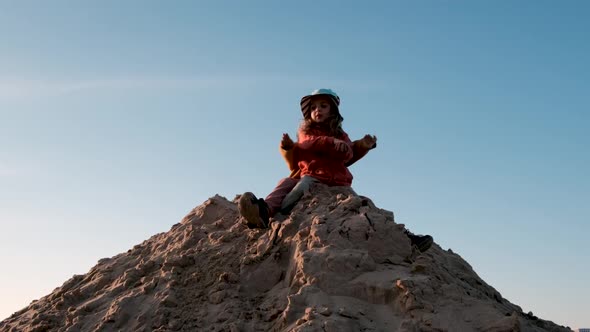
<point>336,263</point>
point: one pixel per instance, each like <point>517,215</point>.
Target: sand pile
<point>337,263</point>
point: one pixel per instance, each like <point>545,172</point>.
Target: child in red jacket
<point>322,154</point>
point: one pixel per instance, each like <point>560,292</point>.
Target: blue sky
<point>116,119</point>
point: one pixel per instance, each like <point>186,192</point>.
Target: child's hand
<point>369,142</point>
<point>340,145</point>
<point>287,142</point>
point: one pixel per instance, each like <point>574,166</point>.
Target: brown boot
<point>254,210</point>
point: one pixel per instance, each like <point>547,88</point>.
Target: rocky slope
<point>337,263</point>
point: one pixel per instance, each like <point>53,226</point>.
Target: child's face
<point>320,109</point>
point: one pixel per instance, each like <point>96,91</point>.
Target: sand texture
<point>337,263</point>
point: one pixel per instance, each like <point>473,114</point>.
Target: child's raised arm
<point>361,147</point>
<point>331,146</point>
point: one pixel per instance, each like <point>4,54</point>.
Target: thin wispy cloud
<point>39,88</point>
<point>8,171</point>
<point>18,88</point>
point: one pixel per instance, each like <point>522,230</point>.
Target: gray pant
<point>297,192</point>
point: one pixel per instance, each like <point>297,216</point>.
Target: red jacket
<point>317,156</point>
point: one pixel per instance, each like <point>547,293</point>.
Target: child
<point>322,154</point>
